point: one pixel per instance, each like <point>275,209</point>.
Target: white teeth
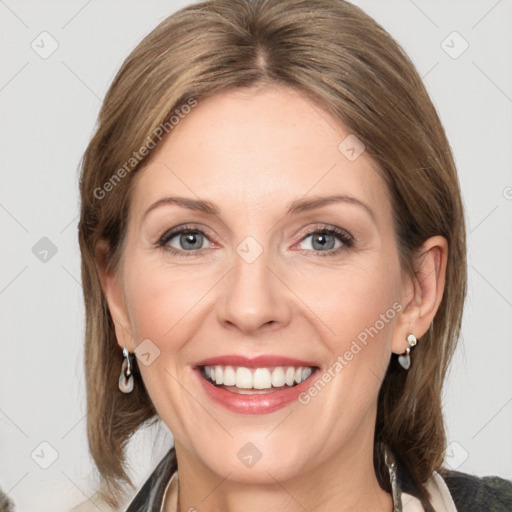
<point>306,372</point>
<point>243,378</point>
<point>218,374</point>
<point>261,379</point>
<point>229,377</point>
<point>290,376</point>
<point>257,378</point>
<point>278,378</point>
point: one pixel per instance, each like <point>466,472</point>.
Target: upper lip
<point>261,361</point>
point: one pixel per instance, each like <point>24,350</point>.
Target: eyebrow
<point>297,206</point>
<point>301,205</point>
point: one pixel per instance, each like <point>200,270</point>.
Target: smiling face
<point>264,268</point>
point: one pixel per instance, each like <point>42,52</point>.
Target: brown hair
<point>341,59</point>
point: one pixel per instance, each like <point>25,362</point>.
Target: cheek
<point>161,300</point>
<point>358,302</point>
<point>357,316</point>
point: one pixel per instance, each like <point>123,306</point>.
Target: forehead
<point>262,147</point>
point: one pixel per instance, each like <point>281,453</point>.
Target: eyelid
<point>329,229</point>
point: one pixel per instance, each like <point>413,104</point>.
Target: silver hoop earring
<point>126,377</point>
<point>405,358</point>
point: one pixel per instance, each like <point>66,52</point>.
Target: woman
<point>296,349</point>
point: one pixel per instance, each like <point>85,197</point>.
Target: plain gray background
<point>49,105</point>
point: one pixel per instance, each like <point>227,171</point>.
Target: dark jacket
<point>469,493</point>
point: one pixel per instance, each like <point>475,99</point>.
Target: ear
<point>112,288</point>
<point>422,293</point>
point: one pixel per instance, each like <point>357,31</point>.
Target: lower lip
<point>254,404</point>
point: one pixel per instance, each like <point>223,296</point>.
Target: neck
<point>345,481</point>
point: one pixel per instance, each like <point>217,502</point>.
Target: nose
<point>255,298</point>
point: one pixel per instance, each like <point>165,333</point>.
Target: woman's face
<point>265,269</point>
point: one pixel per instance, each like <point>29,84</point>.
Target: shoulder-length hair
<point>343,61</point>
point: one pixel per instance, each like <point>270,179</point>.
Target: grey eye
<point>189,240</point>
<point>321,241</point>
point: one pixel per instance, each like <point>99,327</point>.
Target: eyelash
<point>345,238</point>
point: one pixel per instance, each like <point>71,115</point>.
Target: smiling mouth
<point>245,381</point>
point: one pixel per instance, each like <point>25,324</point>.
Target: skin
<point>251,153</point>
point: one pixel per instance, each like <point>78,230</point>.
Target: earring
<point>405,358</point>
<point>126,377</point>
